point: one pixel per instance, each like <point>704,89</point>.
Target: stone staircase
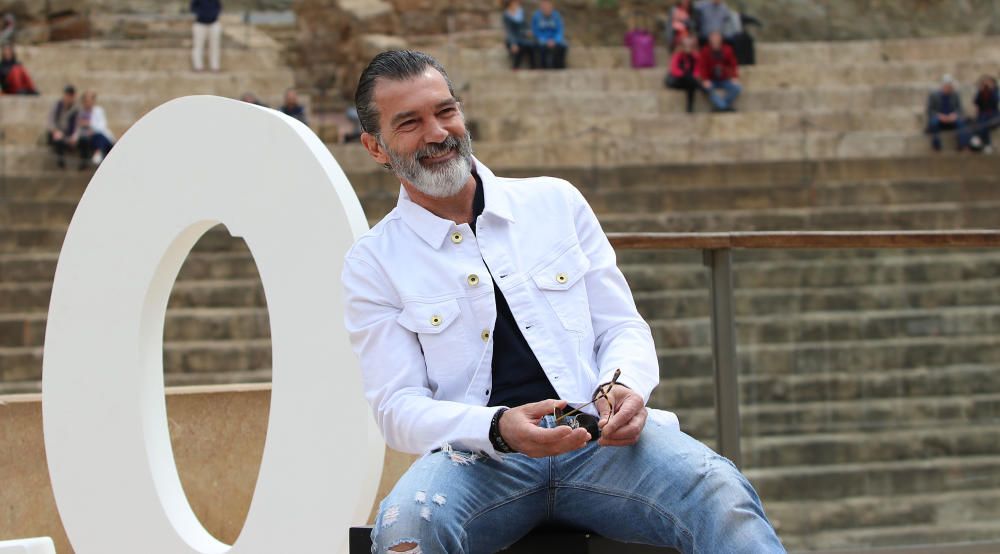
<point>870,380</point>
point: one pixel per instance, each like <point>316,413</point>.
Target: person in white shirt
<point>482,307</point>
<point>94,137</point>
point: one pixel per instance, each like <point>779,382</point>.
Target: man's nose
<point>436,133</point>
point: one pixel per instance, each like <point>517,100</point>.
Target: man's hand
<point>57,135</point>
<point>706,84</point>
<point>519,429</point>
<point>551,43</point>
<point>627,417</point>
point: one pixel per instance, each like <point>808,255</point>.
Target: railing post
<point>727,387</point>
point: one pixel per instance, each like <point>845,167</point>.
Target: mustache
<point>447,145</point>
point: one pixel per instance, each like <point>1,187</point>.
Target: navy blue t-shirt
<point>518,378</point>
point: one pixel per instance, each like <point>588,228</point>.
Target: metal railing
<point>717,251</point>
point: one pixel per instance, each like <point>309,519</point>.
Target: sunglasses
<point>576,418</point>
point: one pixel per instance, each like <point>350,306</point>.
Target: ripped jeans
<point>667,490</point>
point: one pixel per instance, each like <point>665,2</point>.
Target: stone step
<point>886,268</point>
<point>923,510</point>
<point>841,402</point>
<point>850,357</point>
<point>907,217</point>
<point>834,327</point>
<point>87,56</point>
<point>182,324</point>
<point>472,61</point>
<point>39,267</point>
<point>961,441</point>
<point>670,126</point>
<point>803,76</point>
<point>940,474</point>
<point>671,305</point>
<point>631,103</point>
<point>49,239</point>
<point>961,532</point>
<point>265,82</point>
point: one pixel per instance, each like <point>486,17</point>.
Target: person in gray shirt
<point>713,16</point>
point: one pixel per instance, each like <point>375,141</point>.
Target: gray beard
<point>444,181</point>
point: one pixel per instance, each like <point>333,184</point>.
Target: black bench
<point>539,541</point>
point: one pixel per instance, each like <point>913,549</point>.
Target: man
<point>292,108</point>
<point>478,307</point>
<point>720,73</point>
<point>547,26</point>
<point>61,127</point>
<point>944,112</point>
<point>713,16</point>
<point>206,28</point>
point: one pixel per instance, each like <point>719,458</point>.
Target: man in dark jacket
<point>944,112</point>
<point>61,127</point>
<point>206,27</point>
<point>720,73</point>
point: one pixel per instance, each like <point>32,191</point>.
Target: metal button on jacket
<point>561,278</point>
<point>436,320</point>
<point>455,237</point>
<point>473,280</point>
<point>485,335</point>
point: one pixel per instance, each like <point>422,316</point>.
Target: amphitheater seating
<point>870,380</point>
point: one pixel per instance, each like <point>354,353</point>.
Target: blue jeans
<point>935,126</point>
<point>666,490</point>
<point>724,101</point>
<point>984,127</point>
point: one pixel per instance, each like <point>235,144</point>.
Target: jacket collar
<point>433,229</point>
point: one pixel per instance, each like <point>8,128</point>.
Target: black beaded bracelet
<point>496,439</point>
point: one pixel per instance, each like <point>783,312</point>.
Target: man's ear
<point>374,148</point>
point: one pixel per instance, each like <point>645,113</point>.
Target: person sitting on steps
<point>720,73</point>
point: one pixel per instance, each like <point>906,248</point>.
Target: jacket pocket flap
<point>428,317</point>
<point>564,271</point>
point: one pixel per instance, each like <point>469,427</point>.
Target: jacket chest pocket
<point>561,283</point>
<point>440,329</point>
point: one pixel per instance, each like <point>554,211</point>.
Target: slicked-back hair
<point>394,65</point>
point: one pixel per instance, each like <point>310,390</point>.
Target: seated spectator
<point>251,98</point>
<point>547,26</point>
<point>685,70</point>
<point>641,44</point>
<point>292,108</point>
<point>14,79</point>
<point>516,35</point>
<point>720,73</point>
<point>681,24</point>
<point>8,29</point>
<point>61,128</point>
<point>92,134</point>
<point>944,112</point>
<point>987,112</point>
<point>713,16</point>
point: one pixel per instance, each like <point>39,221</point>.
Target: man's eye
<point>408,124</point>
<point>447,111</point>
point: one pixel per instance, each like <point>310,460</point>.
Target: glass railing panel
<point>870,394</point>
<point>671,292</point>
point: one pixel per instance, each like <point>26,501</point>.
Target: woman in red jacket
<point>14,79</point>
<point>685,73</point>
<point>720,73</point>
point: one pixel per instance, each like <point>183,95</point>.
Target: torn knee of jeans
<point>425,513</point>
<point>420,497</point>
<point>390,515</point>
<point>405,546</point>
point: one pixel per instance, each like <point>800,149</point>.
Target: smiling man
<point>480,306</point>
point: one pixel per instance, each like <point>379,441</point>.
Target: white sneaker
<point>98,158</point>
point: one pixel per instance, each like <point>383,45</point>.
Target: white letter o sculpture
<point>183,168</point>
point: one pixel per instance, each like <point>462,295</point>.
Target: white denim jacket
<point>421,310</point>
